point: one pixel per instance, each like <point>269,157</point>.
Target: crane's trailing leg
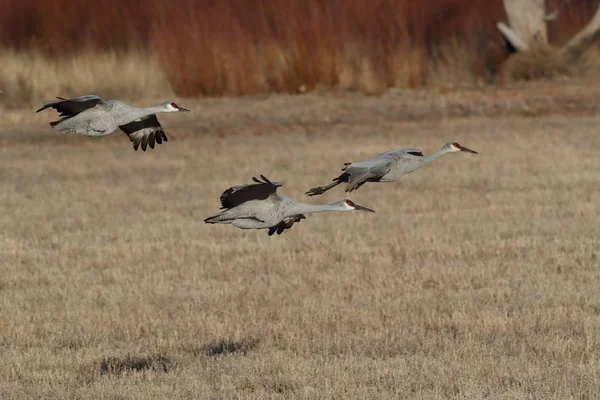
<point>322,189</point>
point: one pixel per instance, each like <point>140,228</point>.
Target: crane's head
<point>349,205</point>
<point>169,106</point>
<point>453,146</point>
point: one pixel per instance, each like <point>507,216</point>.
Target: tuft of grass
<point>116,365</point>
<point>228,346</point>
<point>547,62</point>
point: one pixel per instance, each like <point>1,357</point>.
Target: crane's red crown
<point>350,203</point>
<point>456,145</point>
<point>174,105</point>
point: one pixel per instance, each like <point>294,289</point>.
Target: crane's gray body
<point>388,166</point>
<point>259,206</point>
<point>385,167</point>
<point>102,119</point>
<point>92,116</point>
<point>261,214</point>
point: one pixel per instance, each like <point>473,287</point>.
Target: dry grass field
<point>477,278</point>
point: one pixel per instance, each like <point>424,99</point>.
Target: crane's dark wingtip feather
<point>144,142</point>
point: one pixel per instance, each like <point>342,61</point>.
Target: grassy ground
<point>477,277</point>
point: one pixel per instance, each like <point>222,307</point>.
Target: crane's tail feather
<point>217,219</point>
<point>211,220</point>
<point>226,218</point>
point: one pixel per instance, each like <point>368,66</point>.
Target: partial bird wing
<point>371,169</point>
<point>413,152</point>
<point>145,131</point>
<point>374,168</point>
<point>236,195</point>
<point>399,153</point>
<point>71,107</point>
<point>285,224</point>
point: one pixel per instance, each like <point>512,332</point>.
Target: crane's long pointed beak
<point>468,150</point>
<point>361,208</point>
<point>184,110</point>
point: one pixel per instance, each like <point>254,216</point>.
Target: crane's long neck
<point>304,208</point>
<point>132,113</point>
<point>434,156</point>
<point>153,110</point>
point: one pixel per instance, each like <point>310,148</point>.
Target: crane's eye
<point>351,204</point>
<point>456,145</point>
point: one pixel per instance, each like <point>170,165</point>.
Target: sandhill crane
<point>92,116</point>
<point>386,167</point>
<point>258,206</point>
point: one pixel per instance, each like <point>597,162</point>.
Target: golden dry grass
<point>546,62</point>
<point>477,277</point>
<point>31,78</point>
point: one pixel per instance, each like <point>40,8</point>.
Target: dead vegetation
<point>116,365</point>
<point>228,48</point>
<point>476,277</point>
<point>546,62</point>
<point>229,346</point>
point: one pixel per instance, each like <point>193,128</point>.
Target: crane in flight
<point>92,116</point>
<point>386,167</point>
<point>259,206</point>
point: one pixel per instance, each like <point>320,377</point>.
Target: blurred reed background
<point>134,48</point>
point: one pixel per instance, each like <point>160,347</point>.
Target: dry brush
<point>238,47</point>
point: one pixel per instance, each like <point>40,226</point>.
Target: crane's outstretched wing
<point>285,224</point>
<point>236,195</point>
<point>145,131</point>
<point>68,108</point>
